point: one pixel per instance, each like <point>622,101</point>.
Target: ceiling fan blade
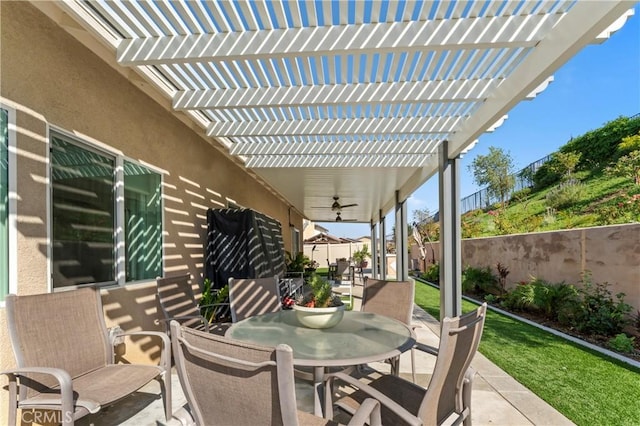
<point>348,205</point>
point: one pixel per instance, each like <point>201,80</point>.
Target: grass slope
<point>585,386</point>
<point>599,203</point>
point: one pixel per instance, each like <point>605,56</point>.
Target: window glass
<point>295,241</point>
<point>143,222</point>
<point>4,203</point>
<point>83,183</point>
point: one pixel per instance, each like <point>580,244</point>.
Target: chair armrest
<point>426,348</point>
<point>64,381</point>
<point>165,357</point>
<point>157,321</point>
<point>368,413</point>
<point>371,392</point>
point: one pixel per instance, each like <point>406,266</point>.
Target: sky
<point>599,84</point>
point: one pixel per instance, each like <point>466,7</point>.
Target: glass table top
<point>359,338</point>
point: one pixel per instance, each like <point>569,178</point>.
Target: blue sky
<point>599,84</point>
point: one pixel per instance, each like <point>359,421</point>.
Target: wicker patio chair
<point>253,296</point>
<point>448,396</point>
<point>177,302</point>
<point>229,382</point>
<point>65,359</point>
<point>392,299</point>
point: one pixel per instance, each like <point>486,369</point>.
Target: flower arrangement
<point>321,295</point>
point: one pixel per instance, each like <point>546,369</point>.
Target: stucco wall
<point>610,253</point>
<point>51,79</point>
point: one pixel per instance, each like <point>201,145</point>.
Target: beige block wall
<point>610,253</point>
<point>51,79</point>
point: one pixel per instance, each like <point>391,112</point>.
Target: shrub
<point>520,298</point>
<point>565,194</point>
<point>598,312</point>
<point>545,176</point>
<point>599,147</point>
<point>479,280</point>
<point>558,302</point>
<point>432,274</point>
<point>622,343</point>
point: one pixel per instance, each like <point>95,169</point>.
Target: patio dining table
<point>360,338</point>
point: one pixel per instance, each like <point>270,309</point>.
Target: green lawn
<point>588,388</point>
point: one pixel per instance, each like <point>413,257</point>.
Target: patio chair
<point>253,296</point>
<point>177,301</point>
<point>448,396</point>
<point>236,383</point>
<point>65,359</point>
<point>393,299</point>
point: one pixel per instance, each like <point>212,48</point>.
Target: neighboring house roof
<point>324,238</point>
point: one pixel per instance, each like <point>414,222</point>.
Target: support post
<point>383,248</point>
<point>450,234</point>
<point>374,250</point>
<point>402,261</point>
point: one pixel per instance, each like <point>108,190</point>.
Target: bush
<point>479,280</point>
<point>622,343</point>
<point>520,298</point>
<point>558,302</point>
<point>565,194</point>
<point>545,176</point>
<point>599,313</point>
<point>432,274</point>
<point>599,147</point>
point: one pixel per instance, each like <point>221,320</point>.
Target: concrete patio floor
<point>497,399</point>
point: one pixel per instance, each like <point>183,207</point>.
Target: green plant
<point>490,298</point>
<point>622,343</point>
<point>520,298</point>
<point>599,313</point>
<point>211,296</point>
<point>296,263</point>
<point>627,166</point>
<point>321,295</point>
<point>360,256</point>
<point>479,280</point>
<point>565,194</point>
<point>432,273</point>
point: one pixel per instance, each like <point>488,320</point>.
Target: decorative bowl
<point>319,317</point>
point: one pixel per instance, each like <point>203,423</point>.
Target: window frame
<point>12,238</point>
<point>119,157</point>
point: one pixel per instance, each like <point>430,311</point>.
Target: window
<point>295,241</point>
<point>4,203</point>
<point>143,222</point>
<point>86,217</point>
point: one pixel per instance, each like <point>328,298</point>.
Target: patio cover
<point>363,100</point>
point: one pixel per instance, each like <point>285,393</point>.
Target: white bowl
<point>319,317</point>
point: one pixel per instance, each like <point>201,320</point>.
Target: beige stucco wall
<point>51,79</point>
<point>610,253</point>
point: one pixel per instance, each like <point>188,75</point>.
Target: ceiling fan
<point>340,219</point>
<point>336,206</point>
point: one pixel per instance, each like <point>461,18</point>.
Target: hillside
<point>576,189</point>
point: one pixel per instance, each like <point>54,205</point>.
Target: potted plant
<point>360,256</point>
<point>320,308</point>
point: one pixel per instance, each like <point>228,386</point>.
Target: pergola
<point>361,100</point>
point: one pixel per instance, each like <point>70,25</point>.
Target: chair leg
<point>165,384</point>
<point>413,364</point>
<point>466,394</point>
